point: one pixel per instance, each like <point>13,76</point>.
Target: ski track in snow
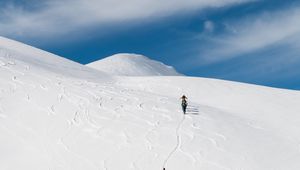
<point>178,142</point>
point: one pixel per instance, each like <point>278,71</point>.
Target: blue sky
<point>253,41</point>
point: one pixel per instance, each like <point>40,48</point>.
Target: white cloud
<point>255,33</point>
<point>61,16</point>
<point>209,26</point>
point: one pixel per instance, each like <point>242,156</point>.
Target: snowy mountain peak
<point>133,65</point>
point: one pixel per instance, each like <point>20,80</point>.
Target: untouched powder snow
<point>132,65</point>
<point>58,115</point>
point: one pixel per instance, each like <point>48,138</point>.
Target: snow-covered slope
<point>132,65</point>
<point>56,114</point>
<point>12,52</point>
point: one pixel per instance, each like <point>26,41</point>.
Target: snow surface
<point>59,115</point>
<point>133,65</point>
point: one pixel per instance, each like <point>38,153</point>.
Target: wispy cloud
<point>61,16</point>
<point>209,26</point>
<point>261,48</point>
<point>249,35</point>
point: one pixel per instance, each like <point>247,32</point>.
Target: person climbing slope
<point>184,103</point>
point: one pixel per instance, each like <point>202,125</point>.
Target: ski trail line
<point>177,145</point>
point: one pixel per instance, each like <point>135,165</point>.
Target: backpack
<point>184,102</point>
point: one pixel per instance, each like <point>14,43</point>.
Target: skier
<point>184,103</point>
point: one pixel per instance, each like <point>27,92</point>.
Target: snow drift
<point>133,65</point>
<point>60,115</point>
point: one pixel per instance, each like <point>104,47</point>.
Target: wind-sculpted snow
<point>76,118</point>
